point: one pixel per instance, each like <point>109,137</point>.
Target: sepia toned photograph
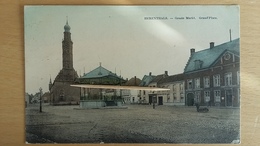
<point>132,74</point>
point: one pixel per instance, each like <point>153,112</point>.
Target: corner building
<point>212,76</point>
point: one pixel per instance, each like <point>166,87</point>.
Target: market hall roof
<point>210,55</point>
<point>99,72</point>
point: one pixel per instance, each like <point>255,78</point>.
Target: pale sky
<point>121,38</point>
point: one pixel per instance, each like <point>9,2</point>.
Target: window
<point>227,56</point>
<point>216,80</point>
<point>238,77</point>
<point>197,83</point>
<point>182,98</point>
<point>176,87</point>
<point>62,94</point>
<point>207,96</point>
<point>181,88</point>
<point>197,97</point>
<point>206,82</point>
<point>173,88</point>
<point>228,79</point>
<point>168,98</point>
<point>217,95</point>
<point>144,92</point>
<point>189,84</point>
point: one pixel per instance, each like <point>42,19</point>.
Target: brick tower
<point>60,90</point>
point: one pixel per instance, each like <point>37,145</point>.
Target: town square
<point>135,124</point>
<point>133,81</point>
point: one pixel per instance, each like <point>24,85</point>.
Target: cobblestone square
<point>134,124</point>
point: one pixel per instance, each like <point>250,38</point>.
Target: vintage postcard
<point>132,74</point>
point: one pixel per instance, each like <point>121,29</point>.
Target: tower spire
<point>230,35</point>
<point>100,73</point>
<point>50,80</point>
<point>67,27</point>
<point>50,84</point>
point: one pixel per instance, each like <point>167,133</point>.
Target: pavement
<point>134,124</point>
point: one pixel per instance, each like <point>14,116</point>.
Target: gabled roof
<point>99,72</point>
<point>133,82</point>
<point>210,55</point>
<point>172,78</point>
<point>146,80</point>
<point>158,78</point>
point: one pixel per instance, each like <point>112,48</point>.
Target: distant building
<point>152,81</point>
<point>132,96</point>
<point>176,94</point>
<point>35,98</point>
<point>154,96</point>
<point>144,83</point>
<point>46,97</point>
<point>60,90</point>
<point>212,76</point>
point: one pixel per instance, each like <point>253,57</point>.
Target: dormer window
<point>198,64</point>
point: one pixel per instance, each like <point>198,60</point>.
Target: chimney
<point>135,80</point>
<point>192,51</point>
<point>166,73</point>
<point>150,73</point>
<point>211,44</point>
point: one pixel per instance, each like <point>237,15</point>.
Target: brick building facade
<point>212,75</point>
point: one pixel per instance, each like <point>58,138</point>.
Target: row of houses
<point>31,99</point>
<point>211,77</point>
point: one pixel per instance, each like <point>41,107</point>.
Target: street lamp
<point>40,99</point>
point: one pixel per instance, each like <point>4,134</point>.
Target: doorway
<point>190,99</point>
<point>229,98</point>
<point>152,98</point>
<point>160,98</point>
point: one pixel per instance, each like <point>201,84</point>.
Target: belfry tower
<point>67,57</point>
<point>60,89</point>
<point>67,74</point>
